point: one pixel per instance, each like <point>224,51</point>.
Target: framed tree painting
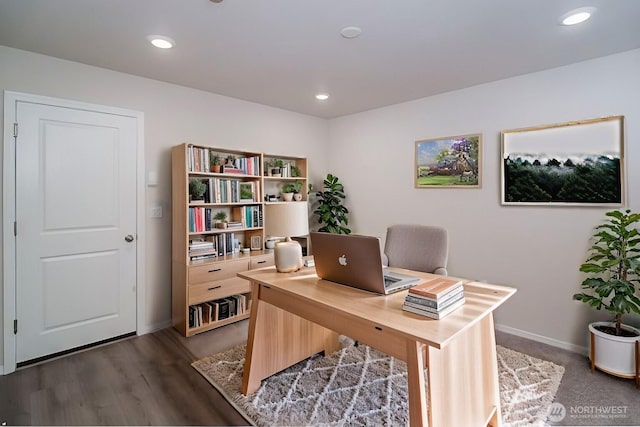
<point>449,162</point>
<point>576,163</point>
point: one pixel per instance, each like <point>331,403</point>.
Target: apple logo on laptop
<point>342,260</point>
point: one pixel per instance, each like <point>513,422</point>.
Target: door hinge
<point>15,228</point>
<point>15,130</point>
<point>15,326</point>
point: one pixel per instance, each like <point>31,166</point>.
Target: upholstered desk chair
<point>417,247</point>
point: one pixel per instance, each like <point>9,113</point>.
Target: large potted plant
<point>332,214</point>
<point>613,279</point>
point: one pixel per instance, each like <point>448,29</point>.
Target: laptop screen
<point>350,259</point>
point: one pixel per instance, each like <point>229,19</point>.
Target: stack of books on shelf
<point>201,249</point>
<point>220,309</point>
<point>435,298</point>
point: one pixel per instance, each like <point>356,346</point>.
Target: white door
<point>76,228</point>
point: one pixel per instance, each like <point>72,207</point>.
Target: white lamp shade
<point>286,219</point>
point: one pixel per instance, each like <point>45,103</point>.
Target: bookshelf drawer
<point>219,289</point>
<point>261,261</point>
<point>216,271</point>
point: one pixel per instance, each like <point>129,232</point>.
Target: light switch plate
<point>156,212</point>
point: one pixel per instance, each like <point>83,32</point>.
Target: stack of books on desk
<point>435,298</point>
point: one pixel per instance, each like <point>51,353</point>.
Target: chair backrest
<point>417,247</point>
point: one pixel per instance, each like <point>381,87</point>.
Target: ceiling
<point>282,52</point>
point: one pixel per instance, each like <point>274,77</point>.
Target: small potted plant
<point>289,189</point>
<point>295,171</point>
<point>214,159</point>
<point>196,190</point>
<point>221,218</point>
<point>276,168</point>
<point>613,279</point>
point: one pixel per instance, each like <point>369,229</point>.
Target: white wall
<point>535,249</point>
<point>538,250</point>
<point>173,114</point>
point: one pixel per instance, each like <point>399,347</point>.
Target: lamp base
<point>288,256</point>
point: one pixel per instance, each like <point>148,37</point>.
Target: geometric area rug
<point>361,386</point>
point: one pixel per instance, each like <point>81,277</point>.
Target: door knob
<point>128,238</point>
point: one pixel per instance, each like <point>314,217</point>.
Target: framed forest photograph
<point>449,162</point>
<point>575,163</point>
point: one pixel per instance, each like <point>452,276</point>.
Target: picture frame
<point>579,163</point>
<point>256,243</point>
<point>449,162</point>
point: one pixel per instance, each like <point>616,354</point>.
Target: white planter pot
<point>613,354</point>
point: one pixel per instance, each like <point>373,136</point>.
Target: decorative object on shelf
<point>576,163</point>
<point>449,162</point>
<point>332,214</point>
<point>287,220</point>
<point>196,189</point>
<point>221,217</point>
<point>214,159</point>
<point>295,171</point>
<point>256,243</point>
<point>276,166</point>
<point>289,189</point>
<point>613,269</point>
<point>270,243</point>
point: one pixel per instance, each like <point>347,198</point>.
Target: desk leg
<point>462,379</point>
<point>416,384</point>
<point>278,339</point>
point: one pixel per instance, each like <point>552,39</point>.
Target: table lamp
<point>287,219</point>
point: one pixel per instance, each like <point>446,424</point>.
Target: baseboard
<point>147,329</point>
<point>545,340</point>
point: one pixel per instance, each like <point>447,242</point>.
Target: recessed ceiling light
<point>162,42</point>
<point>577,16</point>
<point>351,32</point>
<point>322,96</point>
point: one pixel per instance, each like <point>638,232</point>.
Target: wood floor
<point>148,380</point>
<point>144,380</point>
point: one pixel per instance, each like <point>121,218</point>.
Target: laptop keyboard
<point>390,280</point>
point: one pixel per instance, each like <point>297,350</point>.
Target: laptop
<point>356,261</point>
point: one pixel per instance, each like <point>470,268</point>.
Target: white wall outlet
<point>156,212</point>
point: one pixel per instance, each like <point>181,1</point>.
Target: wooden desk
<point>296,315</point>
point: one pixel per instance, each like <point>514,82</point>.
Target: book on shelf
<point>431,303</point>
<point>191,317</point>
<point>434,315</point>
<point>443,306</point>
<point>203,257</point>
<point>223,309</point>
<point>436,288</point>
<point>233,309</point>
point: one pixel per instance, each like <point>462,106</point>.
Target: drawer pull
<point>215,287</point>
<point>261,262</point>
<point>266,287</point>
<point>214,270</point>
